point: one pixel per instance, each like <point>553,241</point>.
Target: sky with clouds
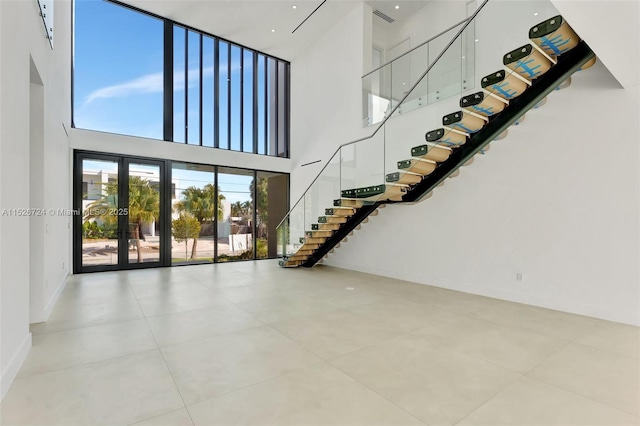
<point>118,83</point>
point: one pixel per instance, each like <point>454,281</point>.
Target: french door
<point>121,219</point>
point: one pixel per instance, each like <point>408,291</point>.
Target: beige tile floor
<point>251,343</point>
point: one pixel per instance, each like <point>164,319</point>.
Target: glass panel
<point>236,97</point>
<point>99,208</point>
<point>262,104</point>
<point>208,89</point>
<point>376,91</point>
<point>362,165</point>
<point>272,111</point>
<point>179,80</point>
<point>235,230</point>
<point>118,70</point>
<point>193,94</point>
<point>144,213</point>
<point>272,193</point>
<point>282,109</point>
<point>193,210</point>
<point>291,233</point>
<point>223,103</point>
<point>445,77</point>
<point>406,71</point>
<point>247,95</point>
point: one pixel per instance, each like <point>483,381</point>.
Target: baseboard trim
<point>46,312</point>
<point>563,305</point>
<point>54,299</point>
<point>10,373</point>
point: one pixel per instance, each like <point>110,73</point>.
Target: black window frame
<point>246,141</point>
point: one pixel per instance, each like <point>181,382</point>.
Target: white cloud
<point>150,83</point>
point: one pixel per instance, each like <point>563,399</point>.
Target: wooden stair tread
<point>329,226</point>
<point>446,136</point>
<point>405,178</point>
<point>332,219</point>
<point>310,246</point>
<point>430,152</point>
<point>347,202</point>
<point>503,84</point>
<point>340,211</point>
<point>554,36</point>
<point>463,121</point>
<point>527,61</point>
<point>419,166</point>
<point>483,104</point>
<point>318,233</point>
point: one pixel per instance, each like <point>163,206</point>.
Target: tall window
<point>118,70</point>
<point>222,95</point>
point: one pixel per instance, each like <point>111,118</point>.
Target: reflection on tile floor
<point>252,343</point>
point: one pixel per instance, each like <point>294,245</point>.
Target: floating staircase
<point>530,73</point>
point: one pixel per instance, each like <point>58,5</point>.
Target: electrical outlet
<point>519,276</point>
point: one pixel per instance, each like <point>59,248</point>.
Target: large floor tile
<point>402,314</point>
<point>316,395</point>
<point>435,384</point>
<point>529,402</point>
<point>67,317</point>
<point>179,297</point>
<point>248,293</point>
<point>508,347</point>
<point>97,291</point>
<point>619,338</point>
<point>209,367</point>
<point>119,391</point>
<point>350,295</point>
<point>442,298</point>
<point>285,307</point>
<point>179,417</point>
<point>192,325</point>
<point>160,287</point>
<point>335,333</point>
<point>54,351</point>
<point>600,375</point>
<point>539,320</point>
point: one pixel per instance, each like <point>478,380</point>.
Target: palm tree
<point>199,202</point>
<point>144,207</point>
<point>241,208</point>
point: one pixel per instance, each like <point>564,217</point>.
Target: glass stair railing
<point>392,166</point>
<point>384,87</point>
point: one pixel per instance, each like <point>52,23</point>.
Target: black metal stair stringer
<point>567,64</point>
<point>351,223</point>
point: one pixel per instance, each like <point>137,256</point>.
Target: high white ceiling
<point>250,22</point>
<point>406,8</point>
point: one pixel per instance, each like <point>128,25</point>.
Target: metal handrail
<point>418,46</point>
<point>383,122</point>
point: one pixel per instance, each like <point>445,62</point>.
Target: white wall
<point>614,36</point>
<point>431,19</point>
<point>27,297</point>
<point>133,146</point>
<point>326,93</point>
<point>558,201</point>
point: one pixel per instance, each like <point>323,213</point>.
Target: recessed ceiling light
<point>535,14</point>
<point>397,6</point>
<point>273,31</point>
<point>294,6</point>
<point>477,40</point>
